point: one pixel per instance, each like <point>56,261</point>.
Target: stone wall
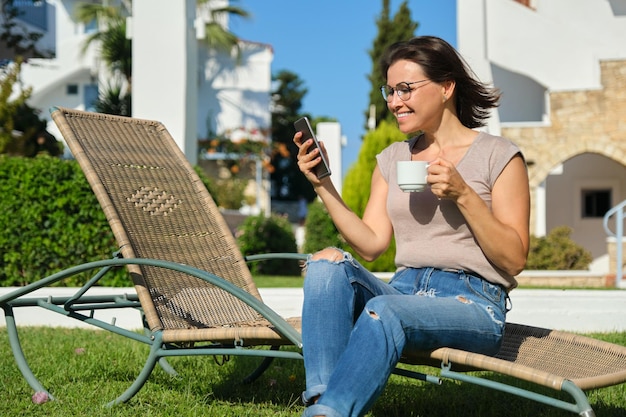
<point>580,122</point>
<point>565,279</point>
<point>585,121</point>
<point>612,248</point>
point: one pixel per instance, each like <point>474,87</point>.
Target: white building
<point>559,66</point>
<point>229,95</point>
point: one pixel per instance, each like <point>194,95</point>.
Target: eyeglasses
<point>403,90</point>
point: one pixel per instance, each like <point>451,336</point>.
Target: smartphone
<point>302,125</point>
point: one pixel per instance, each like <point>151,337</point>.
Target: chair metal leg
<point>151,362</point>
<point>582,403</point>
<point>267,361</point>
<point>18,353</point>
<point>163,363</point>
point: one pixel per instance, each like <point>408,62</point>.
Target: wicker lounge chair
<point>192,284</point>
<point>197,295</point>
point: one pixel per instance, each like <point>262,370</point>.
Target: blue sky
<point>326,43</point>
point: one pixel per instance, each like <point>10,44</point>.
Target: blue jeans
<point>355,327</point>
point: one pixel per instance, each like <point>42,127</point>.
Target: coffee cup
<point>412,175</point>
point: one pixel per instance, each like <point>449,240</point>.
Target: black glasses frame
<point>403,90</point>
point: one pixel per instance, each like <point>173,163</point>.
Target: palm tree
<point>216,35</point>
<point>115,51</point>
<point>115,48</point>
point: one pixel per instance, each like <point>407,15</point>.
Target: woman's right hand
<point>369,236</point>
<point>307,161</point>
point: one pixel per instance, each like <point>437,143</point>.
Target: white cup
<point>412,175</point>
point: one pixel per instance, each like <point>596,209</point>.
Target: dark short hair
<point>441,62</point>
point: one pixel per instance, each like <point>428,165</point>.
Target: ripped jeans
<point>355,327</point>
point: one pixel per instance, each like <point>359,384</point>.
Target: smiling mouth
<point>403,114</point>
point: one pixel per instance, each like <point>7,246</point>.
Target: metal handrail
<point>620,214</point>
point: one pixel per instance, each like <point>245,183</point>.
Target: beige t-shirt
<point>433,233</point>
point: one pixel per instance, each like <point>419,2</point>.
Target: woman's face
<point>421,104</point>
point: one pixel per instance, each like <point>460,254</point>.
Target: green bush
<point>260,234</point>
<point>50,220</point>
<point>230,193</point>
<point>208,183</point>
<point>320,231</point>
<point>557,251</point>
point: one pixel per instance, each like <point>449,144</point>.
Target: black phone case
<point>302,125</point>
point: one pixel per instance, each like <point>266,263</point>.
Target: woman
<point>460,242</point>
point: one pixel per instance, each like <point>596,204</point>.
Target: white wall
<point>330,134</point>
<point>164,78</point>
<point>557,47</point>
<point>233,95</point>
<point>50,78</point>
<point>471,43</point>
<point>558,44</point>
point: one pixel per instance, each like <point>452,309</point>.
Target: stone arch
<point>569,149</point>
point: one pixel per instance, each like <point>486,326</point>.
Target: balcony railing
<point>619,214</point>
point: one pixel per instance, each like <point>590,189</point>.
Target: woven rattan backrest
<point>158,208</point>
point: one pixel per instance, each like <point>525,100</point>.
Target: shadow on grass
<point>407,398</point>
<point>283,382</point>
<point>222,379</point>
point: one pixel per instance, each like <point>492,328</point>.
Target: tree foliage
<point>217,37</point>
<point>115,49</point>
<point>112,100</point>
<point>16,38</point>
<point>22,132</point>
<point>401,28</point>
<point>114,46</point>
<point>288,183</point>
<point>8,107</point>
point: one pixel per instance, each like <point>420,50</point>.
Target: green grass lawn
<point>85,369</point>
<point>271,281</point>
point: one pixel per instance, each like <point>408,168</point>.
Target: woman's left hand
<point>444,180</point>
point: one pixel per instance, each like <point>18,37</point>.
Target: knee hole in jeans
<point>464,299</point>
<point>330,254</point>
<point>373,314</point>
